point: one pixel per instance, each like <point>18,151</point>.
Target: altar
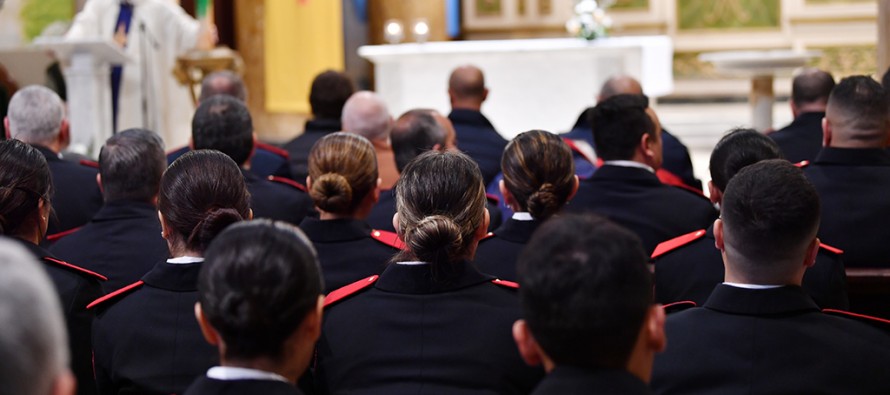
<point>534,84</point>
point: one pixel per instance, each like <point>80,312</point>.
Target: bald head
<point>857,114</point>
<point>619,85</point>
<point>223,83</point>
<point>810,90</point>
<point>466,87</point>
<point>366,115</point>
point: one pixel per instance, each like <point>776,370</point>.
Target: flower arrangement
<point>590,20</point>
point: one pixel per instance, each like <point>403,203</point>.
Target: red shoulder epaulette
<point>56,236</point>
<point>494,199</point>
<point>389,238</point>
<point>668,178</point>
<point>505,283</point>
<point>89,163</point>
<point>831,249</point>
<point>881,322</point>
<point>349,290</point>
<point>273,149</point>
<point>115,294</point>
<point>677,242</point>
<point>678,306</point>
<point>76,268</point>
<point>802,164</point>
<point>575,149</point>
<point>289,182</point>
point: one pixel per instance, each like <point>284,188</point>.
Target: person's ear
<point>395,225</point>
<point>437,147</point>
<point>64,383</point>
<point>718,234</point>
<point>826,132</point>
<point>509,199</point>
<point>482,230</point>
<point>575,185</point>
<point>654,327</point>
<point>526,343</point>
<point>646,146</point>
<point>249,214</point>
<point>253,146</point>
<point>794,110</point>
<point>308,183</point>
<point>714,193</point>
<point>376,190</point>
<point>164,225</point>
<point>210,334</point>
<point>99,182</point>
<point>311,327</point>
<point>6,126</point>
<point>812,252</point>
<point>64,134</point>
<point>485,94</point>
<point>191,143</point>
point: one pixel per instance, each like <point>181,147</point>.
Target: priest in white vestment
<point>153,33</point>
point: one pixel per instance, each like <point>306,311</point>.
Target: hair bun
<point>434,239</point>
<point>214,222</point>
<point>543,203</point>
<point>331,192</point>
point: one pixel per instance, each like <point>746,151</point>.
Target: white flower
<point>573,26</point>
<point>586,7</point>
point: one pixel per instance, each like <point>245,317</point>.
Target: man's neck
<point>467,105</point>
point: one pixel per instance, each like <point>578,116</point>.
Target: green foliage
<point>38,14</point>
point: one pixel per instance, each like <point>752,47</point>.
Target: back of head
<point>343,169</point>
<point>770,215</point>
<point>223,83</point>
<point>618,124</point>
<point>202,192</point>
<point>467,82</point>
<point>25,180</point>
<point>131,164</point>
<point>858,112</point>
<point>329,93</point>
<point>440,200</point>
<point>585,291</point>
<point>415,132</point>
<point>737,149</point>
<point>33,342</point>
<point>35,115</point>
<point>259,281</point>
<point>811,86</point>
<point>223,123</point>
<point>620,85</point>
<point>366,115</point>
<point>539,172</point>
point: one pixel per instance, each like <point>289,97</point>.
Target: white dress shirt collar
<point>228,373</point>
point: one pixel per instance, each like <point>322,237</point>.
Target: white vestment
<point>160,31</point>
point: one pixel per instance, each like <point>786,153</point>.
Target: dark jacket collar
<point>47,153</point>
<point>517,231</point>
<point>567,379</point>
<point>419,279</point>
<point>174,277</point>
<point>809,118</point>
<point>36,250</point>
<point>853,156</point>
<point>624,173</point>
<point>785,300</point>
<point>335,230</point>
<point>249,176</point>
<point>320,125</point>
<point>125,209</point>
<point>467,116</point>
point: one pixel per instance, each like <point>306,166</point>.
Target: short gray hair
<point>35,115</point>
<point>33,342</point>
<point>366,115</point>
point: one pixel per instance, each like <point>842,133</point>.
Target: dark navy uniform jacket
<point>146,339</point>
<point>348,250</point>
<point>267,160</point>
<point>408,333</point>
<point>772,341</point>
<point>381,214</point>
<point>123,242</point>
<point>568,380</point>
<point>637,200</point>
<point>298,149</point>
<point>690,266</point>
<point>802,139</point>
<point>854,186</point>
<point>77,287</point>
<point>207,386</point>
<point>76,195</point>
<point>282,201</point>
<point>497,253</point>
<point>477,137</point>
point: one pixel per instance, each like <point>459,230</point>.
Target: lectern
<point>88,82</point>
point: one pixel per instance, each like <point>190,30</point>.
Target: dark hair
<point>585,290</point>
<point>885,80</point>
<point>467,82</point>
<point>858,107</point>
<point>770,212</point>
<point>539,172</point>
<point>24,180</point>
<point>202,192</point>
<point>415,132</point>
<point>329,93</point>
<point>737,149</point>
<point>440,198</point>
<point>223,83</point>
<point>258,283</point>
<point>131,164</point>
<point>618,124</point>
<point>343,168</point>
<point>811,86</point>
<point>223,123</point>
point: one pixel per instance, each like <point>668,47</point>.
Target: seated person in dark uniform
<point>759,332</point>
<point>431,322</point>
<point>366,115</point>
<point>146,339</point>
<point>222,123</point>
<point>328,94</point>
<point>625,189</point>
<point>267,160</point>
<point>852,173</point>
<point>33,346</point>
<point>688,267</point>
<point>37,117</point>
<point>539,179</point>
<point>476,136</point>
<point>343,183</point>
<point>123,241</point>
<point>25,200</point>
<point>802,139</point>
<point>603,335</point>
<point>265,323</point>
